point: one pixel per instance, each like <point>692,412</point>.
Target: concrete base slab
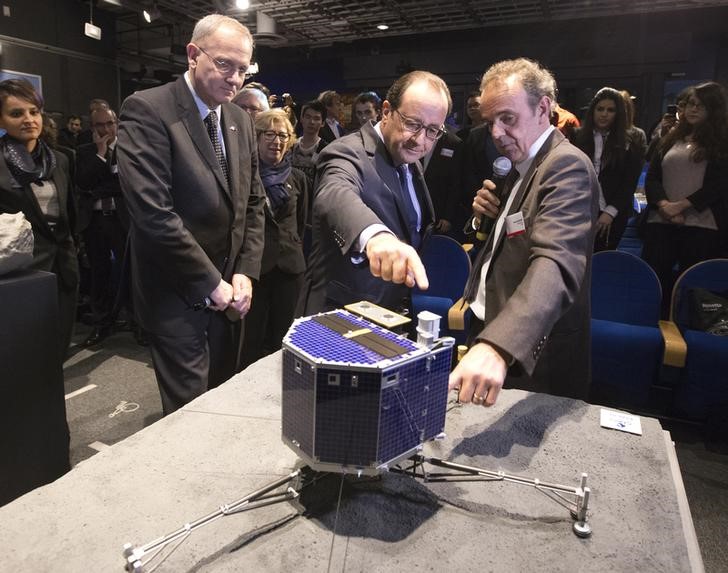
<point>227,443</point>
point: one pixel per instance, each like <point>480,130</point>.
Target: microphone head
<point>502,166</point>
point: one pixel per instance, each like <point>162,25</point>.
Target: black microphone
<point>501,169</point>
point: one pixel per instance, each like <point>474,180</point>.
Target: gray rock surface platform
<point>227,443</point>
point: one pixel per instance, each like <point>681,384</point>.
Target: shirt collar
<point>202,107</point>
<point>536,146</point>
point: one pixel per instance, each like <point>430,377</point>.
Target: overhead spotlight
<point>242,4</point>
<point>151,14</point>
<point>382,27</point>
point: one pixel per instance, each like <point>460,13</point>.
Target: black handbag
<point>708,311</point>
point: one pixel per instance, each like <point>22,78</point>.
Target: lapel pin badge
<point>233,128</point>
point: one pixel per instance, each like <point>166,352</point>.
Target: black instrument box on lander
<point>357,397</point>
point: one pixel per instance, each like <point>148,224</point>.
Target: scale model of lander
<point>359,399</point>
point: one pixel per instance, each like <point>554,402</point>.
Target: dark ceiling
<point>321,23</point>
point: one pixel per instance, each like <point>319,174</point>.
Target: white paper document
<point>620,421</point>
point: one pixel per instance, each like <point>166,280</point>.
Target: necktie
<point>411,212</point>
<point>211,124</point>
<point>486,251</point>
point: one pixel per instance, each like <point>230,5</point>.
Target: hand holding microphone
<point>501,168</point>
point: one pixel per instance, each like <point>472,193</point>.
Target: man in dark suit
<point>529,288</point>
<point>104,220</point>
<point>443,173</point>
<point>371,206</point>
<point>189,172</point>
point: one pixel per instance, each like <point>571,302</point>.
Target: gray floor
<point>118,396</point>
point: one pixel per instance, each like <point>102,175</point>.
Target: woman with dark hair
<point>281,273</point>
<point>687,188</point>
<point>617,159</point>
<point>35,180</point>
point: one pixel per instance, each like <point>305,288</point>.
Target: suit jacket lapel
<point>190,117</point>
<point>232,151</point>
<point>375,147</point>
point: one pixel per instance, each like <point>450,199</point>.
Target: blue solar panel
<point>345,405</point>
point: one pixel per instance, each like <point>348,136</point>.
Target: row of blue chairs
<point>635,355</point>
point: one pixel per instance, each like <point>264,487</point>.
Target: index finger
<point>416,271</point>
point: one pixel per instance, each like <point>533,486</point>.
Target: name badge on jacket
<point>446,152</point>
<point>515,225</point>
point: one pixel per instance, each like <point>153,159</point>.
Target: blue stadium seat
<point>448,267</point>
<point>702,391</point>
<point>627,344</point>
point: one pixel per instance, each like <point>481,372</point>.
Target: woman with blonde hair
<point>283,264</point>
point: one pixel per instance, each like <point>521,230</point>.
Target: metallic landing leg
<point>133,556</point>
<point>575,499</point>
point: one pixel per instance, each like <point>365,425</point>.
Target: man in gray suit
<point>189,172</point>
<point>371,207</point>
<point>529,288</point>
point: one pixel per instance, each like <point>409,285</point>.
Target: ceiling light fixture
<point>151,14</point>
<point>242,4</point>
<point>382,27</point>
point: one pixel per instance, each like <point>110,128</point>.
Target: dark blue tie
<point>411,212</point>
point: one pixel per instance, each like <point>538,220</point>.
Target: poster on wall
<point>34,79</point>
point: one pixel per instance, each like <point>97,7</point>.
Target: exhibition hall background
<point>651,55</point>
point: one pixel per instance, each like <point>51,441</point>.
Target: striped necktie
<point>211,124</point>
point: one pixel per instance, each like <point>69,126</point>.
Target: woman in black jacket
<point>605,138</point>
<point>687,188</point>
<point>36,181</point>
<point>283,264</point>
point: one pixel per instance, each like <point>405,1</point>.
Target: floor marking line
<point>80,391</point>
<point>99,446</point>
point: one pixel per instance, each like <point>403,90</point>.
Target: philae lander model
<point>361,400</point>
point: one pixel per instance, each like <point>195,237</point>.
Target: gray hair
<point>536,80</point>
<point>208,25</point>
<point>255,92</point>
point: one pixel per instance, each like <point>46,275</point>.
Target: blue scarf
<point>274,179</point>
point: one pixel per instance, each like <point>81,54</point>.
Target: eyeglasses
<point>414,127</point>
<point>226,68</point>
<point>251,108</point>
<point>106,124</point>
<point>696,104</point>
<point>270,136</point>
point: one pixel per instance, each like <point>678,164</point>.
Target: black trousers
<point>668,245</point>
<point>187,366</point>
<point>105,236</point>
<point>271,314</point>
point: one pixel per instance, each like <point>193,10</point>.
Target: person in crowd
<point>281,274</point>
<point>529,287</point>
<point>367,107</point>
<point>636,134</point>
<point>35,181</point>
<point>666,123</point>
<point>50,135</point>
<point>104,222</point>
<point>332,128</point>
<point>68,135</point>
<point>371,208</point>
<point>687,187</point>
<point>251,100</point>
<point>305,151</point>
<point>478,154</point>
<point>86,136</point>
<point>472,110</point>
<point>443,173</point>
<point>565,121</point>
<point>188,166</point>
<point>617,159</point>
